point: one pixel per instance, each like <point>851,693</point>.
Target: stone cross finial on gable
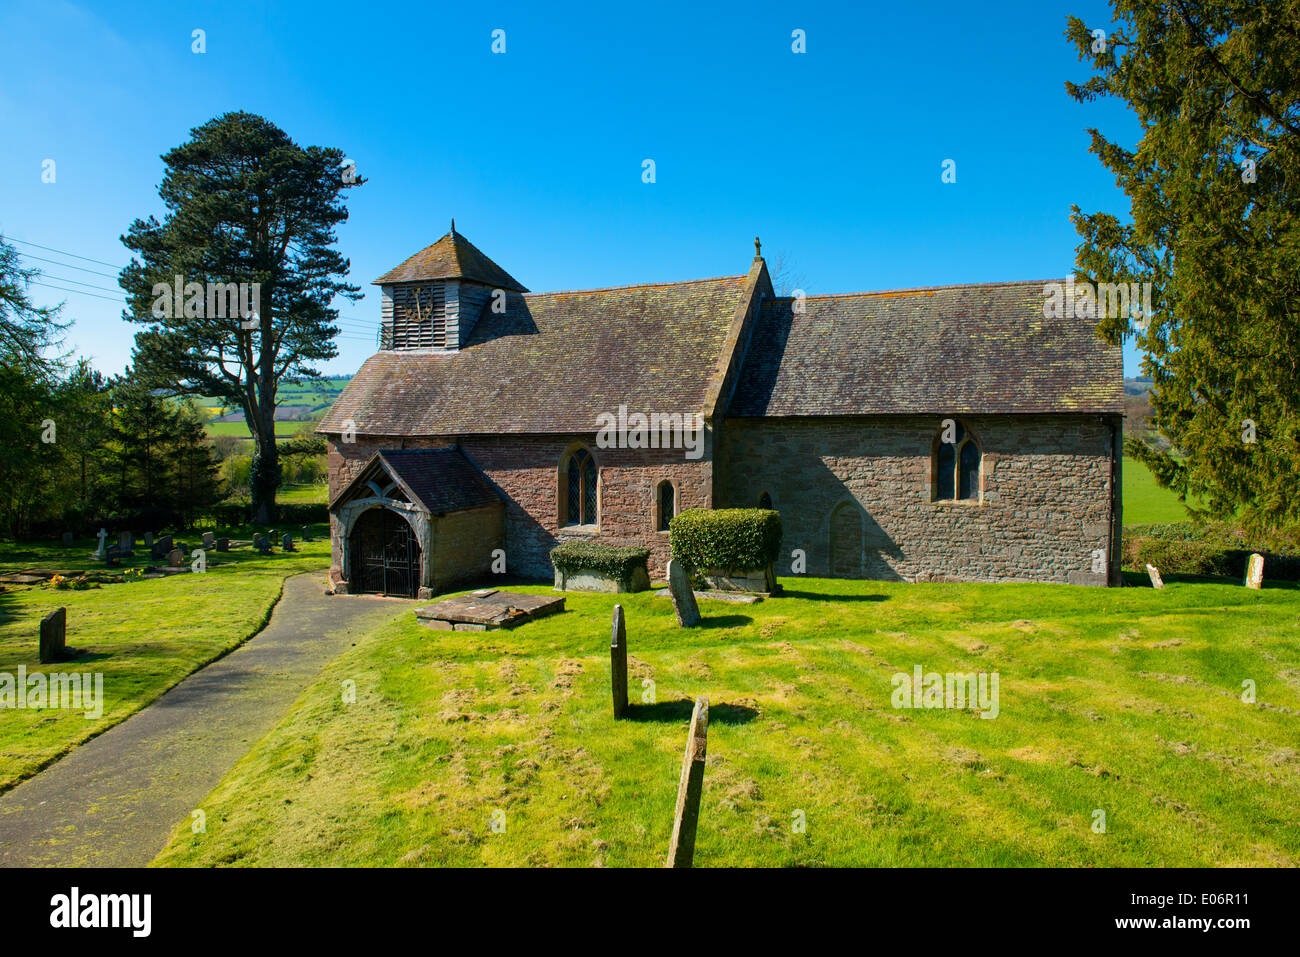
<point>758,249</point>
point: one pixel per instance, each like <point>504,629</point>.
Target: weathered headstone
<point>67,539</point>
<point>287,543</point>
<point>681,849</point>
<point>54,633</point>
<point>125,542</point>
<point>176,558</point>
<point>223,544</point>
<point>263,545</point>
<point>1154,573</point>
<point>161,547</point>
<point>618,663</point>
<point>209,540</point>
<point>148,540</point>
<point>99,552</point>
<point>684,606</point>
<point>1255,571</point>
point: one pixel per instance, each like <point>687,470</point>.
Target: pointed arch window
<point>956,465</point>
<point>665,505</point>
<point>580,489</point>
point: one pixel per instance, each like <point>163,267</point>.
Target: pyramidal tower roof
<point>452,257</point>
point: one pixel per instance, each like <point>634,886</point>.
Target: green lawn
<point>1145,502</point>
<point>1122,700</point>
<point>143,636</point>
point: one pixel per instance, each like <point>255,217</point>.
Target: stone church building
<point>942,434</point>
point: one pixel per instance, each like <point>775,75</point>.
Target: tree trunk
<point>264,476</point>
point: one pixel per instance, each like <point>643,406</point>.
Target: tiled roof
<point>958,349</point>
<point>442,480</point>
<point>552,362</point>
<point>452,257</point>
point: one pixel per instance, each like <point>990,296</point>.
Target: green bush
<point>739,539</point>
<point>616,562</point>
<point>1180,553</point>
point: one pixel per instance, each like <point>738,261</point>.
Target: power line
<point>76,282</point>
<point>61,252</point>
<point>93,272</point>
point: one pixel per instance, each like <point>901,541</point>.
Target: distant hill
<point>1138,385</point>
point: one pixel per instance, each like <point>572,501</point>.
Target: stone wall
<point>856,495</point>
<point>463,543</point>
<point>526,469</point>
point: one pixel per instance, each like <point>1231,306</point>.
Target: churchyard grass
<point>1145,502</point>
<point>143,636</point>
<point>1126,701</point>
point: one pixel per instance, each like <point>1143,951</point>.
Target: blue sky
<point>833,156</point>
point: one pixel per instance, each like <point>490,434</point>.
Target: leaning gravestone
<point>287,543</point>
<point>67,539</point>
<point>618,663</point>
<point>1156,580</point>
<point>1255,571</point>
<point>681,849</point>
<point>54,634</point>
<point>209,540</point>
<point>684,606</point>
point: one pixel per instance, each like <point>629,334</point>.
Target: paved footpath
<point>114,800</point>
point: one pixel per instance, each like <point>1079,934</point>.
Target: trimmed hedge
<point>612,560</point>
<point>314,513</point>
<point>1189,549</point>
<point>726,538</point>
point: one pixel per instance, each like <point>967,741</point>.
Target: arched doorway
<point>846,541</point>
<point>383,554</point>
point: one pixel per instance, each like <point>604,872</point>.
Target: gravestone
<point>148,540</point>
<point>287,543</point>
<point>99,552</point>
<point>67,539</point>
<point>263,545</point>
<point>618,663</point>
<point>1154,573</point>
<point>112,554</point>
<point>223,544</point>
<point>684,606</point>
<point>161,547</point>
<point>54,633</point>
<point>306,534</point>
<point>125,542</point>
<point>209,540</point>
<point>1255,571</point>
<point>681,849</point>
<point>175,558</point>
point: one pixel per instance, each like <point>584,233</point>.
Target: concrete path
<point>114,800</point>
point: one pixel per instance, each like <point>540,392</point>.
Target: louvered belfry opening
<point>420,316</point>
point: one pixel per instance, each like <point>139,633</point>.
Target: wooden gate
<point>384,555</point>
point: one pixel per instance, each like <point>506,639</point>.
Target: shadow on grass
<point>681,710</point>
<point>725,621</point>
<point>821,596</point>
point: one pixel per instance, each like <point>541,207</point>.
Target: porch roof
<point>437,480</point>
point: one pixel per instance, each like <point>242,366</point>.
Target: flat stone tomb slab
<point>488,610</point>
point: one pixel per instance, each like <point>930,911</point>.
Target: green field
<point>1145,502</point>
<point>283,430</point>
<point>1126,701</point>
<point>144,636</point>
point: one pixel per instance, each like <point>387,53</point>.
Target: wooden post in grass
<point>618,663</point>
<point>1154,574</point>
<point>1255,571</point>
<point>682,847</point>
